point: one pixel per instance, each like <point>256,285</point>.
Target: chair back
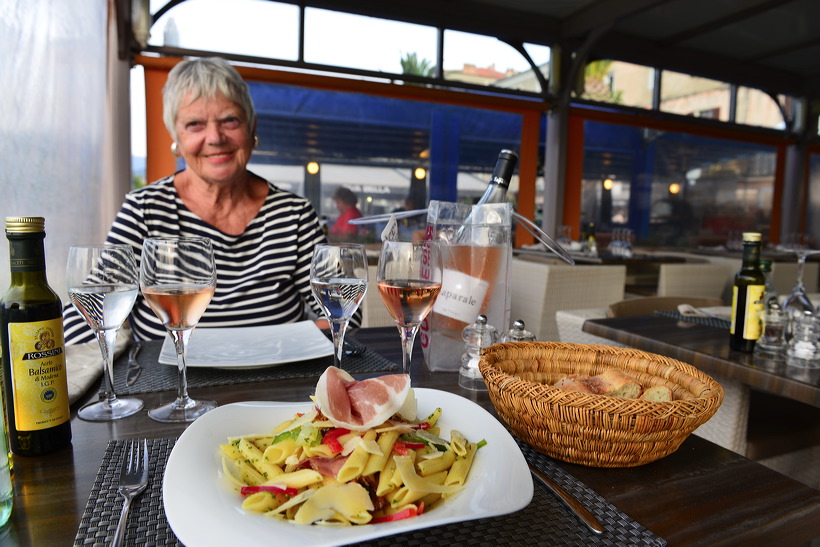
<point>694,280</point>
<point>374,312</point>
<point>784,274</point>
<point>539,290</point>
<point>651,304</point>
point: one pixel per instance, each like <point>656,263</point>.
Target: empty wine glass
<point>102,285</point>
<point>338,279</point>
<point>798,301</point>
<point>178,278</point>
<point>409,278</point>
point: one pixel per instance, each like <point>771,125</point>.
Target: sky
<point>257,27</point>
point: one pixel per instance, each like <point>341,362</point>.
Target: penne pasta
<point>461,468</point>
<point>309,471</point>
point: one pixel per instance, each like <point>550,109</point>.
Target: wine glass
<point>798,301</point>
<point>178,278</point>
<point>338,278</point>
<point>102,285</point>
<point>409,281</point>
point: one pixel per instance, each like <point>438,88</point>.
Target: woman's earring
<point>174,149</point>
<point>256,141</point>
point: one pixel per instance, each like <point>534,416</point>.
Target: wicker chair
<point>374,313</point>
<point>700,280</point>
<point>539,290</point>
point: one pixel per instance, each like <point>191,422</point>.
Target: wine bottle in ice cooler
<point>35,387</point>
<point>470,268</point>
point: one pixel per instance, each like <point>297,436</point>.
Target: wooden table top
<point>708,349</point>
<point>702,494</point>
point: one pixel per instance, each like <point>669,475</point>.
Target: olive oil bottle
<point>35,386</point>
<point>748,297</point>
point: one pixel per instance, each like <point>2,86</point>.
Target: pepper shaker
<point>476,336</point>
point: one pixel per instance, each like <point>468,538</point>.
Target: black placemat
<point>544,521</point>
<point>147,524</point>
<point>156,376</point>
<point>708,321</point>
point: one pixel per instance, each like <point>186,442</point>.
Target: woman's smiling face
<point>214,138</point>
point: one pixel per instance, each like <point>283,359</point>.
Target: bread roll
<point>611,382</point>
<point>574,382</point>
<point>659,394</point>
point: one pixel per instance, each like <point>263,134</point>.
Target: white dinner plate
<point>251,347</point>
<point>203,508</point>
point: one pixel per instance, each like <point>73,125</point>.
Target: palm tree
<point>410,64</point>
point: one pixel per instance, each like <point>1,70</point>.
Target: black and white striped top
<point>263,275</point>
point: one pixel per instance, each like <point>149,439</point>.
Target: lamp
<point>312,167</point>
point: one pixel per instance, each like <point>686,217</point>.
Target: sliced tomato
<point>331,438</point>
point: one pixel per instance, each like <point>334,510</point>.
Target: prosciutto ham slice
<point>362,405</point>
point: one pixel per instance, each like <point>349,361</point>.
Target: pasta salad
<point>309,471</point>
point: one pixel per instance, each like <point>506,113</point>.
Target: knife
<point>575,506</point>
<point>134,368</point>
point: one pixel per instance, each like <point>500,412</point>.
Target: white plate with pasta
<point>203,507</point>
<point>251,347</point>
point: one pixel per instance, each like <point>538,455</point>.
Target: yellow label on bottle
<point>38,374</point>
<point>752,327</point>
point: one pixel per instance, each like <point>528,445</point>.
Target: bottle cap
<point>504,168</point>
<point>25,225</point>
<point>751,236</point>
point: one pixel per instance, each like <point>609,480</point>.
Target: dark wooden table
<point>708,349</point>
<point>700,495</point>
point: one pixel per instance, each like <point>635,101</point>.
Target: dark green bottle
<point>748,297</point>
<point>35,385</point>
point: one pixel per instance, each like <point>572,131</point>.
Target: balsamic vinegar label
<point>38,374</point>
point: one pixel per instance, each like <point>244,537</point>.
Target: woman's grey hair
<point>206,77</point>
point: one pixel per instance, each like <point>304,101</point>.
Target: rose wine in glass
<point>103,283</point>
<point>178,278</point>
<point>409,281</point>
<point>338,279</point>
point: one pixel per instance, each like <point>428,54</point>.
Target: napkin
<point>84,363</point>
<point>715,312</point>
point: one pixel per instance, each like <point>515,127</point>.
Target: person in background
<point>263,237</point>
<point>346,202</point>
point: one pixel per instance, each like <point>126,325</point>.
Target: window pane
<point>482,60</point>
<point>367,43</point>
<point>757,108</point>
<point>616,82</point>
<point>692,96</point>
<point>674,189</point>
<point>250,27</point>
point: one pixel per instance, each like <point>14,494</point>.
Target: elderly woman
<point>263,237</point>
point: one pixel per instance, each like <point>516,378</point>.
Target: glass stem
<point>801,263</point>
<point>408,336</point>
<point>181,338</point>
<point>107,340</point>
<point>337,329</point>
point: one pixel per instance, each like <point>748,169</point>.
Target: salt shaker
<point>518,333</point>
<point>476,336</point>
<point>773,337</point>
<point>803,349</point>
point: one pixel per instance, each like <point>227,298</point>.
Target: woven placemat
<point>707,321</point>
<point>544,521</point>
<point>156,376</point>
<point>147,524</point>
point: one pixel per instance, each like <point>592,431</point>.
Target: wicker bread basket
<point>595,430</point>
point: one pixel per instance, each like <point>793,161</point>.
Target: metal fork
<point>133,480</point>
